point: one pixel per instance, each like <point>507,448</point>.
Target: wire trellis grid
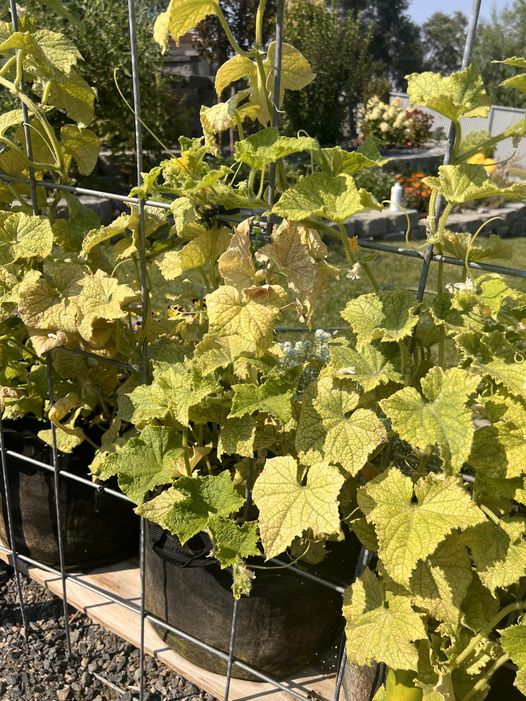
<point>17,559</point>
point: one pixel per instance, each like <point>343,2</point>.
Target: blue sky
<point>420,10</point>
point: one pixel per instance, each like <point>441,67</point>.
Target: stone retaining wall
<point>391,226</point>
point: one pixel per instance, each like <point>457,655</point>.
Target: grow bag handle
<point>170,549</point>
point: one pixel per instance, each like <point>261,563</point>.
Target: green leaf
<point>175,389</point>
<point>499,552</point>
<point>458,95</point>
<point>237,437</point>
<point>271,398</point>
<point>384,630</point>
<point>83,145</point>
<point>439,417</point>
<point>232,542</point>
<point>335,198</point>
<point>289,505</point>
<point>145,462</point>
<point>368,367</point>
<point>267,146</point>
<point>186,508</point>
<point>513,640</point>
<point>180,17</point>
<point>510,374</point>
<point>466,182</point>
<point>388,317</point>
<point>352,434</point>
<point>411,520</point>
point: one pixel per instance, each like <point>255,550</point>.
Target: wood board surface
<point>122,581</point>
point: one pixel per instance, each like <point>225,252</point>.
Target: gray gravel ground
<point>39,671</point>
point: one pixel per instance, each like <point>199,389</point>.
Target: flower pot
<point>97,529</point>
<point>282,626</point>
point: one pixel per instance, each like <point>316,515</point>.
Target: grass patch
<point>393,272</point>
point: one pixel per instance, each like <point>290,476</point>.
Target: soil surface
<point>103,668</point>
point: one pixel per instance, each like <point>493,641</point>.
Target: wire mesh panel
<point>428,257</point>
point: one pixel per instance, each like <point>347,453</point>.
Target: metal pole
<point>11,530</point>
<point>144,296</point>
<point>276,106</point>
<point>468,51</point>
<point>56,485</point>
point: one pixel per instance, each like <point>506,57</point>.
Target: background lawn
<point>392,272</point>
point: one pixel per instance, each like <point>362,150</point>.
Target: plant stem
<point>231,40</point>
<point>40,116</point>
<point>484,681</point>
<point>466,652</point>
<point>259,23</point>
<point>185,448</point>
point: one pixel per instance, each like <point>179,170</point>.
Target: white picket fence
<point>498,119</point>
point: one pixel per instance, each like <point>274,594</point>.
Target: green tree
<point>500,37</point>
<point>444,37</point>
<point>338,52</point>
<point>103,40</point>
<point>396,40</point>
<point>210,39</point>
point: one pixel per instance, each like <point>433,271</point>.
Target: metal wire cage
<point>17,560</point>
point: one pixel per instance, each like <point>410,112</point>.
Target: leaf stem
<point>185,448</point>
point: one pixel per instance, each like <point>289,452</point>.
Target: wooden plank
<point>122,580</point>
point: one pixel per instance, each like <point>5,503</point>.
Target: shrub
<point>392,125</point>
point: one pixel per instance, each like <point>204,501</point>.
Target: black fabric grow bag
<point>282,626</point>
<point>97,528</point>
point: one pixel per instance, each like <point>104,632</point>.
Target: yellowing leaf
<point>467,182</point>
<point>368,367</point>
<point>236,265</point>
<point>439,417</point>
<point>499,552</point>
<point>203,250</point>
<point>352,434</point>
<point>102,298</point>
<point>287,507</point>
<point>390,316</point>
<point>458,95</point>
<point>185,509</point>
<point>25,237</point>
<point>83,145</point>
<point>385,630</point>
<point>232,70</point>
<point>296,71</point>
<point>412,520</point>
<point>237,437</point>
<point>335,198</point>
<point>180,17</point>
<point>499,450</point>
<point>267,146</point>
<point>242,325</point>
<point>513,640</point>
<point>94,237</point>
